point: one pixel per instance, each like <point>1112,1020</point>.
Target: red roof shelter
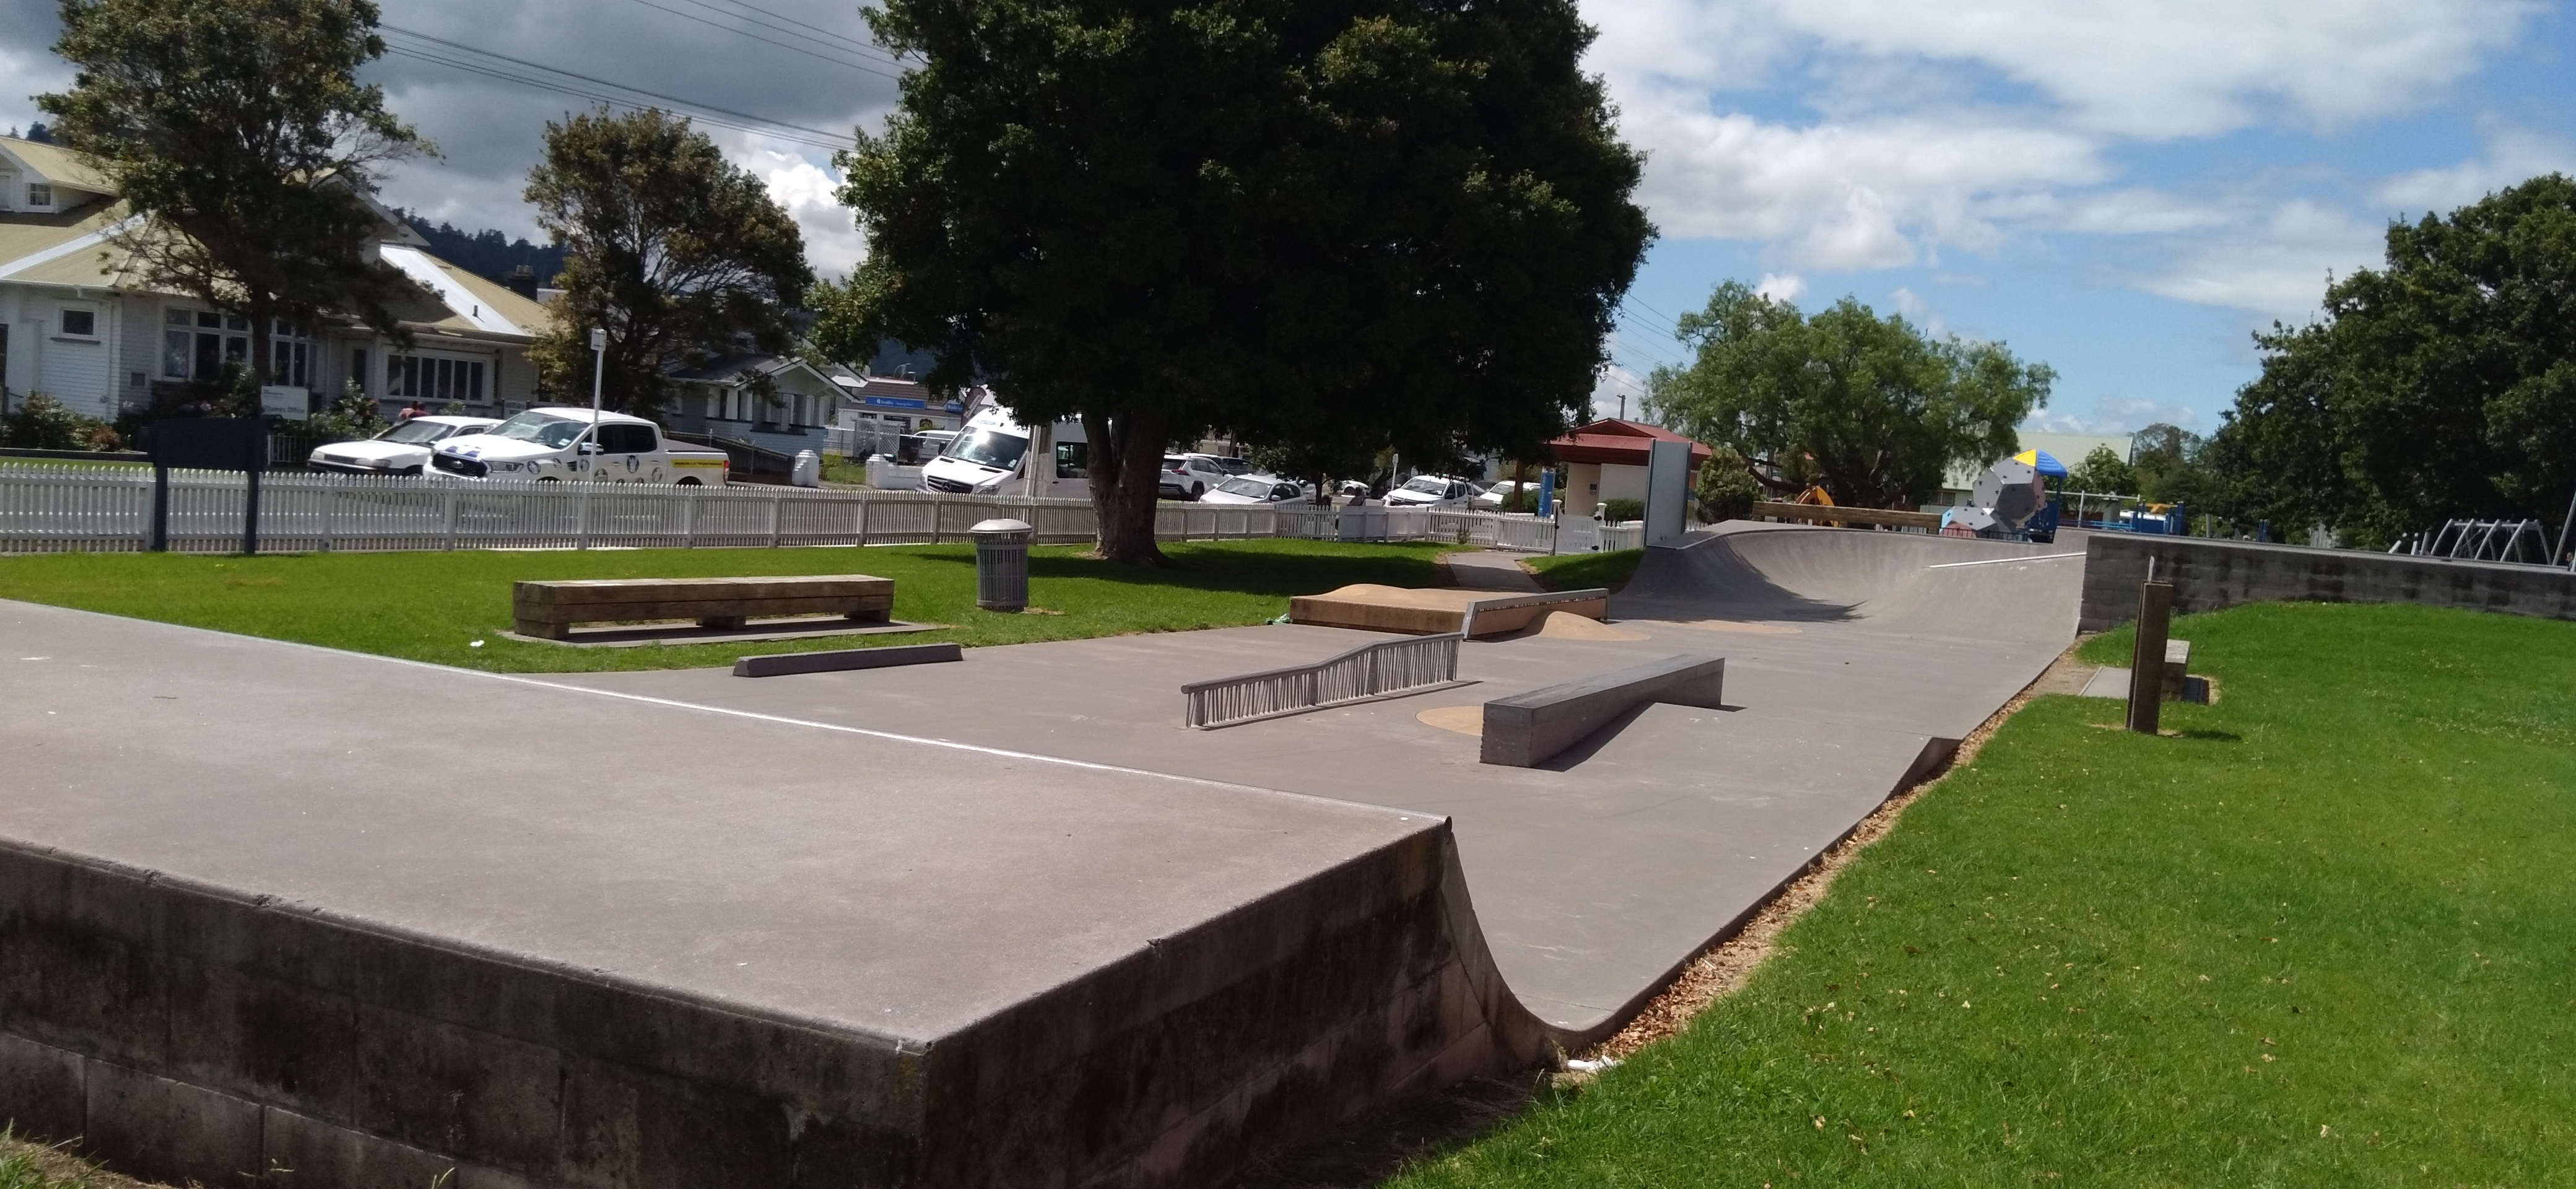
<point>1618,442</point>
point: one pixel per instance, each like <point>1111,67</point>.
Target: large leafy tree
<point>1871,409</point>
<point>680,254</point>
<point>2440,385</point>
<point>238,131</point>
<point>1334,224</point>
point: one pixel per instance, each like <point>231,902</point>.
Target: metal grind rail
<point>1368,671</point>
<point>1375,670</point>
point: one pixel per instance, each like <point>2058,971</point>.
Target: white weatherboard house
<point>76,324</point>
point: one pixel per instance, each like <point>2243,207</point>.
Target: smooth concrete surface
<point>2212,575</point>
<point>1525,730</point>
<point>1427,612</point>
<point>552,937</point>
<point>998,922</point>
<point>1854,660</point>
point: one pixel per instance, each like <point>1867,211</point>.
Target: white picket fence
<point>51,508</point>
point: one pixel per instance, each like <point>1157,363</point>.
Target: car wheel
<point>549,479</point>
<point>414,472</point>
<point>691,481</point>
<point>1197,490</point>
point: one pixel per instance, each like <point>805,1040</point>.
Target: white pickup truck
<point>555,443</point>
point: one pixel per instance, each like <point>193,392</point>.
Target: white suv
<point>1188,476</point>
<point>1432,491</point>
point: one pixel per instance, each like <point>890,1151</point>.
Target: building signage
<point>896,402</point>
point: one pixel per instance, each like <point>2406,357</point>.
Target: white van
<point>991,456</point>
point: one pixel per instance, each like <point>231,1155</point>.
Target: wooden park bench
<point>549,609</point>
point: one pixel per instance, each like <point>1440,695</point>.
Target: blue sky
<point>2123,189</point>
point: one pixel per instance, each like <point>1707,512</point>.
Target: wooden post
<point>2147,660</point>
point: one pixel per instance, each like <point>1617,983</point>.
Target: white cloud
<point>1920,312</point>
<point>2277,267</point>
<point>1871,134</point>
<point>833,243</point>
<point>2512,155</point>
<point>2165,68</point>
<point>1844,196</point>
<point>2115,415</point>
<point>1782,287</point>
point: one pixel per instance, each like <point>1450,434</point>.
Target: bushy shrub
<point>352,416</point>
<point>42,423</point>
<point>1727,488</point>
<point>1622,511</point>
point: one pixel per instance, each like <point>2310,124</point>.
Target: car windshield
<point>1255,488</point>
<point>1427,485</point>
<point>414,433</point>
<point>988,448</point>
<point>553,432</point>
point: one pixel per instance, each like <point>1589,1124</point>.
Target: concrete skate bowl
<point>1759,573</point>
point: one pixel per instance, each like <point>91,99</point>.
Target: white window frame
<point>35,203</point>
<point>62,331</point>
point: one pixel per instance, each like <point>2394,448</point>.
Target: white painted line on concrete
<point>1997,561</point>
<point>952,744</point>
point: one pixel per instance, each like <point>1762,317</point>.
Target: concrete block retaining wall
<point>185,1031</point>
<point>2210,575</point>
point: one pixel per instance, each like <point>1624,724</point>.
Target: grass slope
<point>432,606</point>
<point>1584,571</point>
<point>2322,937</point>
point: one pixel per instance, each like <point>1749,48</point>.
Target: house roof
<point>727,371</point>
<point>55,164</point>
<point>61,248</point>
<point>1611,440</point>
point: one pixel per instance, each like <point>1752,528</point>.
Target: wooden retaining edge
<point>1828,514</point>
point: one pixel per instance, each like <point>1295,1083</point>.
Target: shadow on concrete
<point>1375,1147</point>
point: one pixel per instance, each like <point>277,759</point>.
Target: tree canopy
<point>1871,409</point>
<point>2440,385</point>
<point>239,132</point>
<point>1337,223</point>
<point>680,254</point>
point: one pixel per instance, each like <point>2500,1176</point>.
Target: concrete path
<point>1491,570</point>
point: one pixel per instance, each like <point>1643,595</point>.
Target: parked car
<point>550,444</point>
<point>1256,489</point>
<point>1225,463</point>
<point>1492,500</point>
<point>1432,491</point>
<point>1189,476</point>
<point>402,450</point>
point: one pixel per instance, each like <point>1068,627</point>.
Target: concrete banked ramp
<point>265,906</point>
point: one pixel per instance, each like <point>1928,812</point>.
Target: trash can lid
<point>1000,526</point>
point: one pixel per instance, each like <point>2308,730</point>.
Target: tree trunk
<point>1127,458</point>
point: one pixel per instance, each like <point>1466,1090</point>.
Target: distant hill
<point>489,253</point>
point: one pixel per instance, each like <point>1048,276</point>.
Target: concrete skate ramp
<point>1005,921</point>
<point>1765,573</point>
<point>265,906</point>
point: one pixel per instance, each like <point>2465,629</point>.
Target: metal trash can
<point>1002,564</point>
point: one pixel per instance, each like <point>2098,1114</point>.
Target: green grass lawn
<point>1584,571</point>
<point>433,606</point>
<point>2326,935</point>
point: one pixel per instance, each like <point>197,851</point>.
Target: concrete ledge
<point>1524,730</point>
<point>838,660</point>
<point>2212,575</point>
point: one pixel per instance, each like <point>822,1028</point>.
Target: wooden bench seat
<point>549,609</point>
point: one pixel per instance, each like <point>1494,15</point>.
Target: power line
<point>864,69</point>
<point>545,79</point>
<point>854,44</point>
